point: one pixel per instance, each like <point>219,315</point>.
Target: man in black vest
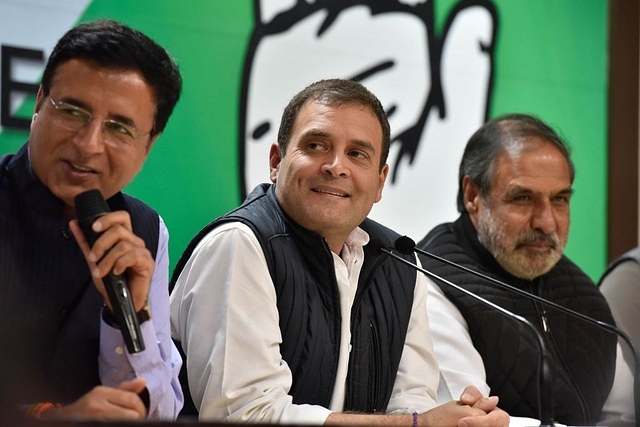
<point>287,310</point>
<point>106,94</point>
<point>515,185</point>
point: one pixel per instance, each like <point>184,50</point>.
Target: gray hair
<point>494,138</point>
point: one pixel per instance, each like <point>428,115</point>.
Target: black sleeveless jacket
<point>301,267</point>
<point>583,356</point>
<point>49,307</point>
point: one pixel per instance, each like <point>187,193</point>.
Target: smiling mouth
<point>331,193</point>
<point>77,168</point>
<point>539,246</point>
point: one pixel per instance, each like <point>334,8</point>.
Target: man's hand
<point>120,250</point>
<point>473,409</point>
<point>102,403</point>
<point>471,396</point>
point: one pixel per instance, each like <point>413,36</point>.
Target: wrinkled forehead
<point>518,146</point>
<point>535,161</point>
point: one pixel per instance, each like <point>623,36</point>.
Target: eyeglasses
<point>74,118</point>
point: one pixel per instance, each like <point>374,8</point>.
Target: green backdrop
<point>551,60</point>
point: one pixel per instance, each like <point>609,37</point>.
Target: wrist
<point>38,410</point>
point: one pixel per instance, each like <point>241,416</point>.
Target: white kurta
<point>461,364</point>
<point>223,310</point>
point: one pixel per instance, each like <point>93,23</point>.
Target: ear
<point>472,198</point>
<point>382,179</point>
<point>38,106</point>
<point>275,157</point>
<point>39,100</point>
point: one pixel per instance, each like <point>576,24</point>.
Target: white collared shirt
<point>223,310</point>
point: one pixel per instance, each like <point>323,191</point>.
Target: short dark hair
<point>335,92</point>
<point>113,45</point>
<point>492,139</point>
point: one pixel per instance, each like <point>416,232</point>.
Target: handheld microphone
<point>545,377</point>
<point>406,245</point>
<point>90,205</point>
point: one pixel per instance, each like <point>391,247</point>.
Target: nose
<point>335,164</point>
<point>543,217</point>
<point>89,139</point>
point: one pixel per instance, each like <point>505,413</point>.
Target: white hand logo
<point>390,48</point>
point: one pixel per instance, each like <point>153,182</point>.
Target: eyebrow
<point>365,145</point>
<point>564,192</point>
<point>117,117</point>
<point>524,190</point>
<point>315,133</point>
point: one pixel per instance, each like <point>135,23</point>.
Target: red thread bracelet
<point>37,409</point>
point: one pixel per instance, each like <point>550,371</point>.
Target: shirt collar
<point>357,238</point>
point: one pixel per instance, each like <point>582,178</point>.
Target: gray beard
<point>517,261</point>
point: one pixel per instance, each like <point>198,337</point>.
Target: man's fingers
<point>113,218</point>
<point>120,251</point>
<point>130,400</point>
<point>114,240</point>
<point>135,386</point>
<point>487,404</point>
<point>125,255</point>
<point>470,395</point>
<point>496,418</point>
<point>105,403</point>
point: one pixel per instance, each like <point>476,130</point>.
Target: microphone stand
<point>406,241</point>
<point>545,377</point>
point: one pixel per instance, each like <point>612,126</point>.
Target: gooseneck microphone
<point>406,245</point>
<point>90,205</point>
<point>545,374</point>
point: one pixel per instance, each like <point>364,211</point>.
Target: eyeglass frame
<point>87,117</point>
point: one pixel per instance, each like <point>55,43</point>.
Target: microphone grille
<point>405,245</point>
<point>90,204</point>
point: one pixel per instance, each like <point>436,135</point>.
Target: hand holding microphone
<point>120,263</point>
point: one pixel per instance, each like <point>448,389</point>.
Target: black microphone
<point>90,205</point>
<point>545,374</point>
<point>406,245</point>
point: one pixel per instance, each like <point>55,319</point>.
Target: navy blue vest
<point>302,269</point>
<point>49,307</point>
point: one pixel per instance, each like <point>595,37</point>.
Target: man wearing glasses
<point>106,95</point>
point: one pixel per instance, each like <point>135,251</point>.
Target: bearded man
<point>515,187</point>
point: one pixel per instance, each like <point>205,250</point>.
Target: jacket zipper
<point>374,363</point>
<point>551,345</point>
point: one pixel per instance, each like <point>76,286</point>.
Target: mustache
<point>538,237</point>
